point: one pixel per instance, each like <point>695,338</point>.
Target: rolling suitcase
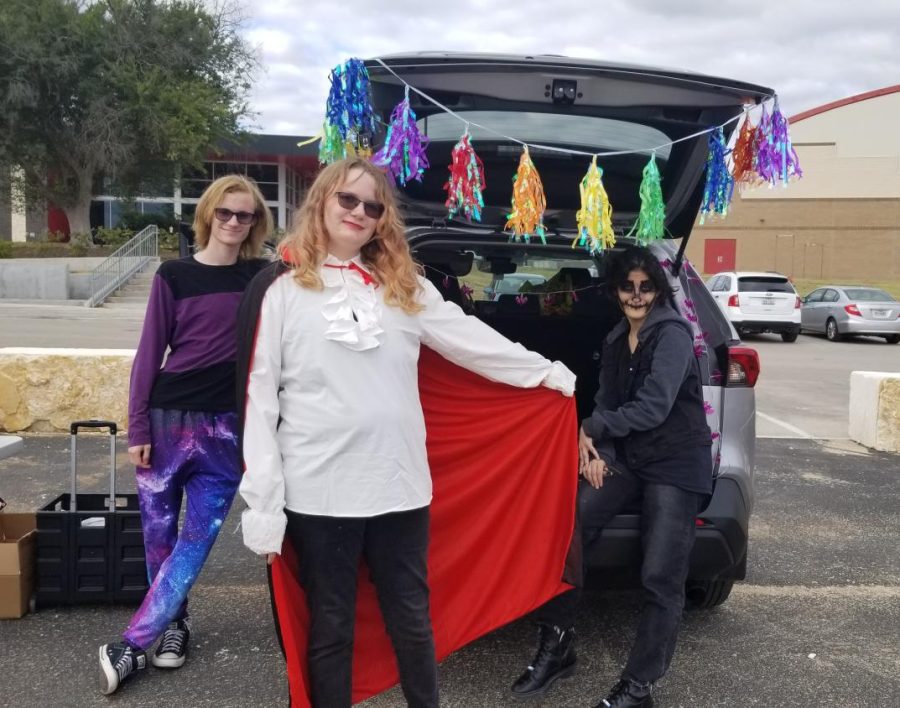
<point>90,547</point>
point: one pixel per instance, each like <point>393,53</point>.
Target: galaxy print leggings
<point>193,453</point>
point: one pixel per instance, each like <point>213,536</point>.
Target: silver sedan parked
<point>839,311</point>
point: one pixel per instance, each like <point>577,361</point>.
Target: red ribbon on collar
<point>367,278</point>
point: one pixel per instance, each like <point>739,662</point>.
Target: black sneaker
<point>628,694</point>
<point>118,661</point>
<point>172,648</point>
<point>555,659</point>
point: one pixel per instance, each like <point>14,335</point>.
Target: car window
<point>830,296</point>
<point>715,284</point>
<point>869,295</point>
<point>513,283</point>
<point>726,282</point>
<point>764,283</point>
<point>815,296</point>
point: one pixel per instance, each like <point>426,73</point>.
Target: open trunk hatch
<point>556,102</point>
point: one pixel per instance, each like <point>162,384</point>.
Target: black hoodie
<point>655,410</point>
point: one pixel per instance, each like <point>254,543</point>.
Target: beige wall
<point>810,238</point>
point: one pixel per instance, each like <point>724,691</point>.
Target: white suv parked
<point>758,302</point>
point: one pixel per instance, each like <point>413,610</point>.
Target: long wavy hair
<point>386,254</point>
<point>212,197</point>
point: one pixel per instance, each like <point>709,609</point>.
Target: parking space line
<point>787,426</point>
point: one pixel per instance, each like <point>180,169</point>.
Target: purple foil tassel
<point>776,160</point>
<point>403,154</point>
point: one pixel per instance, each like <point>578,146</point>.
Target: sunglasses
<point>645,288</point>
<point>348,201</point>
<point>243,217</point>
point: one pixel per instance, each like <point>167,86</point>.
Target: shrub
<point>112,237</point>
<point>6,249</point>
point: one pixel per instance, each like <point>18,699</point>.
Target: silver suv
<point>589,107</point>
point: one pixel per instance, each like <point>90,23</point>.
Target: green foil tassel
<point>651,221</point>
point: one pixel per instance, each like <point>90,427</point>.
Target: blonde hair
<point>212,197</point>
<point>387,254</point>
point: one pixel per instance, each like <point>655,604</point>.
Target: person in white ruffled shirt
<point>334,435</point>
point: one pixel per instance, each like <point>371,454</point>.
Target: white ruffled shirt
<point>334,424</point>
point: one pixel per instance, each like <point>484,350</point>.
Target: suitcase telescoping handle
<point>74,427</point>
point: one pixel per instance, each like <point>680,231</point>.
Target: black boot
<point>628,694</point>
<point>555,659</point>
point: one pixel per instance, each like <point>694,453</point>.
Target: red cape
<point>503,461</point>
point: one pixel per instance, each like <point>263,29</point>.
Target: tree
<point>125,90</point>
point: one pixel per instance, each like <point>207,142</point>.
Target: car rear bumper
<point>873,327</point>
<point>759,326</point>
<point>720,548</point>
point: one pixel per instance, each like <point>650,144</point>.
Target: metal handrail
<point>125,262</point>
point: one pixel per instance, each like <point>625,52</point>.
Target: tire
<point>706,594</point>
<point>892,338</point>
<point>790,336</point>
<point>832,334</point>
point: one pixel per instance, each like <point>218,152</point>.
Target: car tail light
<point>853,310</point>
<point>733,301</point>
<point>797,304</point>
<point>743,367</point>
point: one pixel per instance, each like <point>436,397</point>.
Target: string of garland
<point>466,184</point>
<point>526,218</point>
<point>349,127</point>
<point>719,183</point>
<point>650,224</point>
<point>403,155</point>
<point>595,229</point>
<point>761,154</point>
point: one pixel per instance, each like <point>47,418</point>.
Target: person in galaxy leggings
<point>182,420</point>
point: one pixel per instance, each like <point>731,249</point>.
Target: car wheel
<point>831,331</point>
<point>790,336</point>
<point>706,594</point>
<point>892,338</point>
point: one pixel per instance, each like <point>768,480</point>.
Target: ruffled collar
<point>354,313</point>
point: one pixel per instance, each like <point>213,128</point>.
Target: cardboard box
<point>17,542</point>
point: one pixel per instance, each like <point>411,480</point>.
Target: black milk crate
<point>92,550</point>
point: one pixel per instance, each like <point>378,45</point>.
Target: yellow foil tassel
<point>595,229</point>
<point>526,218</point>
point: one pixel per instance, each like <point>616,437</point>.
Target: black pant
<point>667,536</point>
<point>395,547</point>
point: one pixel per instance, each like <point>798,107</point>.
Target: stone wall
<point>875,409</point>
<point>43,390</point>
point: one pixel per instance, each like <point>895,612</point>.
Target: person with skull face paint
<point>647,442</point>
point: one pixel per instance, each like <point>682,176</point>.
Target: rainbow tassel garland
<point>526,219</point>
<point>403,154</point>
<point>466,183</point>
<point>595,229</point>
<point>650,224</point>
<point>719,183</point>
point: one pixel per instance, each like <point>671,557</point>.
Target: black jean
<point>395,547</point>
<point>667,535</point>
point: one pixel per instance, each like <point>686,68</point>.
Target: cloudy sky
<point>810,51</point>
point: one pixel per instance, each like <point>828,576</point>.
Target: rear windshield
<point>868,295</point>
<point>560,172</point>
<point>763,284</point>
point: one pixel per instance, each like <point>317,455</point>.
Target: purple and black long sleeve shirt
<point>192,314</point>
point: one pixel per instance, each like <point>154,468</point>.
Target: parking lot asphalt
<point>816,623</point>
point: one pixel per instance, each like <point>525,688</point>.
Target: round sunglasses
<point>243,217</point>
<point>349,201</point>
